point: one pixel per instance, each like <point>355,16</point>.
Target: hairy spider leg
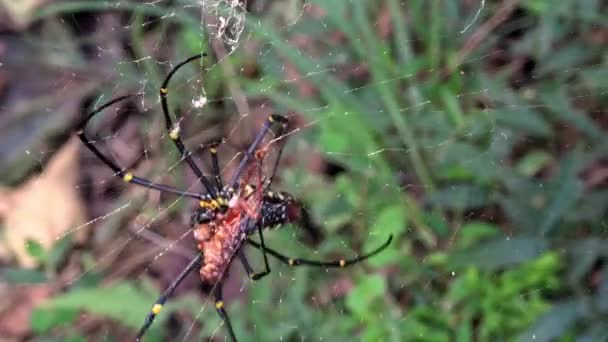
<point>215,163</point>
<point>126,176</point>
<point>272,119</point>
<point>221,310</point>
<point>280,136</point>
<point>158,305</point>
<point>174,130</point>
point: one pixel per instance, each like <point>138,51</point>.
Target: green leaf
<point>569,189</point>
<point>566,57</point>
<point>560,105</point>
<point>43,319</point>
<point>460,197</point>
<point>533,162</point>
<point>361,297</point>
<point>584,253</point>
<point>121,302</point>
<point>498,253</point>
<point>23,276</point>
<point>523,120</point>
<point>35,250</point>
<point>392,220</point>
<point>58,252</point>
<point>473,232</point>
<point>557,321</point>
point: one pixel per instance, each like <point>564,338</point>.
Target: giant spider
<point>227,214</point>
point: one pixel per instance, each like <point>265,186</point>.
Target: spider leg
<point>221,311</point>
<point>257,276</point>
<point>126,176</point>
<point>157,307</point>
<point>216,164</point>
<point>282,130</point>
<point>245,263</point>
<point>272,119</point>
<point>173,128</point>
<point>336,263</point>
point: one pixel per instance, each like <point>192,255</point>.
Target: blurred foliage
<point>484,164</point>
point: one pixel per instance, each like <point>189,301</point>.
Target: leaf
<point>121,302</point>
<point>57,254</point>
<point>523,120</point>
<point>597,332</point>
<point>35,250</point>
<point>557,321</point>
<point>499,253</point>
<point>20,12</point>
<point>583,254</point>
<point>460,197</point>
<point>533,162</point>
<point>560,106</point>
<point>361,297</point>
<point>392,220</point>
<point>566,57</point>
<point>34,213</point>
<point>43,320</point>
<point>22,276</point>
<point>473,232</point>
<point>595,77</point>
<point>569,189</point>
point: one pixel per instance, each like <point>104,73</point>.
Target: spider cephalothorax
<point>276,208</point>
<point>227,215</point>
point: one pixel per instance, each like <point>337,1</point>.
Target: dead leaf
<point>20,13</point>
<point>45,207</point>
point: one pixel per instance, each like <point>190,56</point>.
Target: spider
<point>227,215</point>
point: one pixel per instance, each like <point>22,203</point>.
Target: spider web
<point>145,235</point>
<point>223,23</point>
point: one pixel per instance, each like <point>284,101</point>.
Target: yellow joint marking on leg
<point>205,204</point>
<point>213,150</point>
<point>291,262</point>
<point>157,308</point>
<point>248,190</point>
<point>271,118</point>
<point>342,263</point>
<point>164,90</point>
<point>270,194</point>
<point>219,304</point>
<point>174,133</point>
<point>127,177</point>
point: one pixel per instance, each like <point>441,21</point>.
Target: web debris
<point>224,20</point>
